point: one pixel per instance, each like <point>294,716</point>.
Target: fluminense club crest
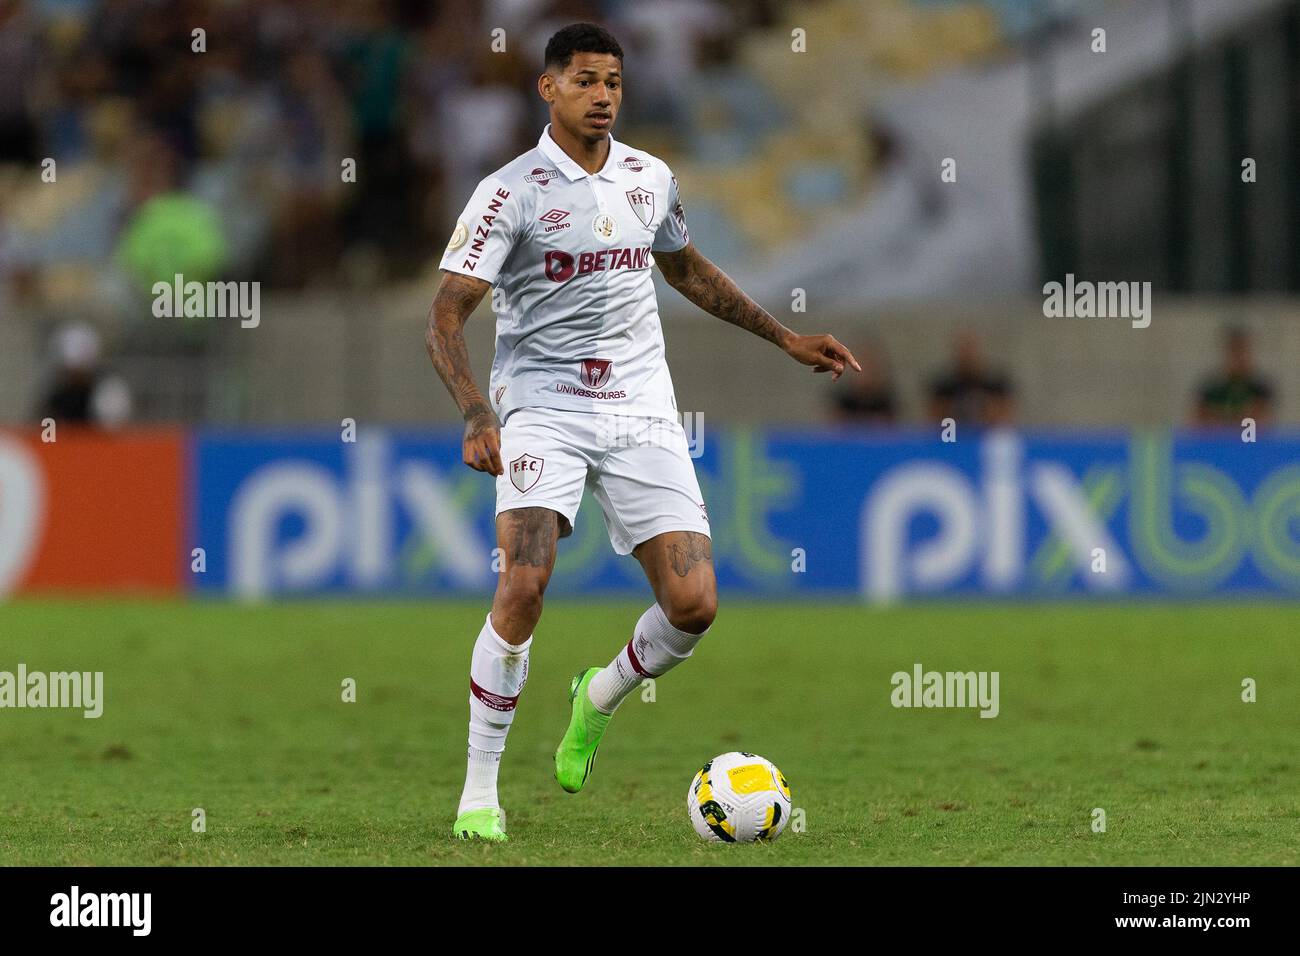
<point>642,202</point>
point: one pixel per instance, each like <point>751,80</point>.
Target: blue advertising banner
<point>795,514</point>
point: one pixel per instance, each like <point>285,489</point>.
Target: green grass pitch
<point>238,710</point>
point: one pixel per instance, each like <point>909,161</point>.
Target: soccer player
<point>580,396</point>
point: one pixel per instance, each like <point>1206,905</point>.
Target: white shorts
<point>638,468</point>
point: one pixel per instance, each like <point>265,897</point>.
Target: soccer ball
<point>739,798</point>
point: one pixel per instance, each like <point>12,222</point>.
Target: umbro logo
<point>556,219</point>
<point>495,701</point>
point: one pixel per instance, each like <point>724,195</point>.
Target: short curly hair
<point>579,38</point>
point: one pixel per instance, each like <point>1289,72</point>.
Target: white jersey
<point>570,256</point>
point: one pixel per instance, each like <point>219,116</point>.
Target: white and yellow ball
<point>739,797</point>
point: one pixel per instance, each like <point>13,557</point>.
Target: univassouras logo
<point>562,266</point>
<point>75,908</point>
<point>73,690</point>
<point>564,389</point>
<point>595,372</point>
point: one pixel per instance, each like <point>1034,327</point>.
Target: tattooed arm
<point>695,277</point>
<point>456,298</point>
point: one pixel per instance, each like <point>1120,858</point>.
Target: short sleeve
<point>485,232</point>
<point>672,234</point>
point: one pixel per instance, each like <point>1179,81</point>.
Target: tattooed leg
<point>527,538</point>
<point>679,566</point>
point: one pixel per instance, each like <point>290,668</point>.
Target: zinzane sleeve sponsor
<point>672,234</point>
<point>485,232</point>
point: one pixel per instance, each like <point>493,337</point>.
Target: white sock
<point>655,649</point>
<point>498,671</point>
<point>480,780</point>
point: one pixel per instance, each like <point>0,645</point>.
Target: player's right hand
<point>482,446</point>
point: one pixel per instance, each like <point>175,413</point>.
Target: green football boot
<point>576,754</point>
<point>486,823</point>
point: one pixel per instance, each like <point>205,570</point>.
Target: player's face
<point>585,97</point>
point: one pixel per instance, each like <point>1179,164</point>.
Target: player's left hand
<point>822,352</point>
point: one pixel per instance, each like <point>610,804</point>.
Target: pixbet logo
<point>1190,526</point>
<point>295,525</point>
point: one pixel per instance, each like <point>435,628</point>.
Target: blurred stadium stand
<point>817,172</point>
<point>313,362</point>
<point>1145,176</point>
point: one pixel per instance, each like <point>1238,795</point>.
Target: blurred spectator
<point>971,393</point>
<point>165,231</point>
<point>19,52</point>
<point>867,397</point>
<point>1237,392</point>
<point>666,38</point>
<point>82,392</point>
<point>479,118</point>
<point>371,55</point>
<point>311,120</point>
<point>238,151</point>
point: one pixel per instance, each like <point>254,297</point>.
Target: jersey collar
<point>571,170</point>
